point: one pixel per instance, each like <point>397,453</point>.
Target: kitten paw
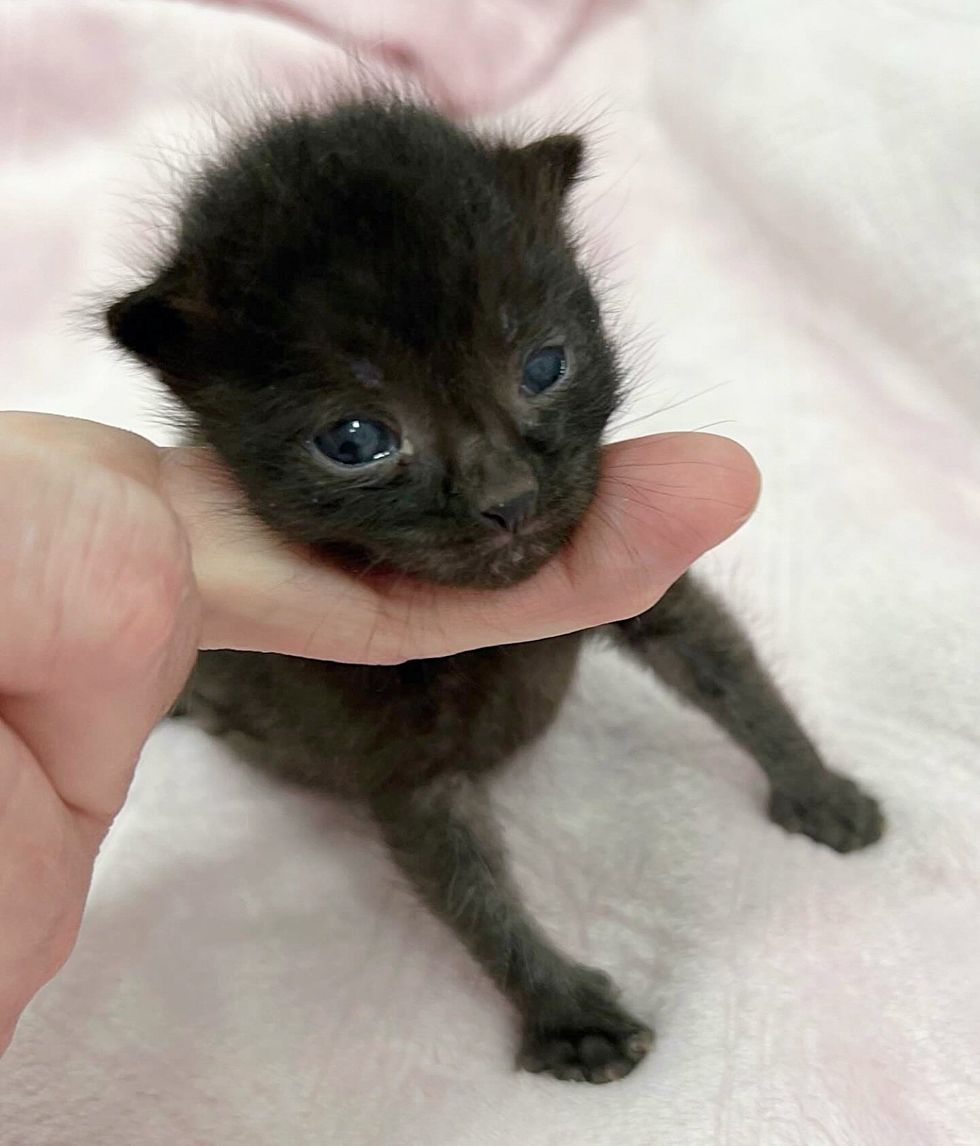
<point>584,1037</point>
<point>837,814</point>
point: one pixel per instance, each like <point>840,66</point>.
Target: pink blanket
<point>788,194</point>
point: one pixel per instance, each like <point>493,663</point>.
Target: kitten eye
<point>358,442</point>
<point>543,368</point>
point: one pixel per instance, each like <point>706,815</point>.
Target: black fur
<point>378,262</point>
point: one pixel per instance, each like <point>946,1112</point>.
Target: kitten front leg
<point>444,838</point>
<point>692,643</point>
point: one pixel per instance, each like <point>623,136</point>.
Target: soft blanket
<point>786,205</point>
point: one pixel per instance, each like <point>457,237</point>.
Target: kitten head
<point>378,321</point>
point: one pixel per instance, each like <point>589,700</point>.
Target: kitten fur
<point>377,262</point>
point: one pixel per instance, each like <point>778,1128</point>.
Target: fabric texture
<point>785,203</point>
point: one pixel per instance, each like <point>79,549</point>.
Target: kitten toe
<point>584,1038</point>
<point>584,1052</point>
<point>838,814</point>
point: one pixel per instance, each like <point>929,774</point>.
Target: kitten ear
<point>546,168</point>
<point>165,328</point>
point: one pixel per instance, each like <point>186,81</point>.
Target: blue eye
<point>543,368</point>
<point>358,442</point>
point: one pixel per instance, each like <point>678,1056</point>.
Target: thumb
<point>98,611</point>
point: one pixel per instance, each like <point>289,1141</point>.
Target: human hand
<point>119,559</point>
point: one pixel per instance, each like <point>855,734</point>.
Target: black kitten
<point>379,321</point>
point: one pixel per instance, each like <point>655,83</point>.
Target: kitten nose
<point>511,514</point>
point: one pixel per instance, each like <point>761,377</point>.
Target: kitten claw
<point>838,814</point>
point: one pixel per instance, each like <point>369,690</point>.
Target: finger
<point>60,438</point>
<point>98,615</point>
<point>662,502</point>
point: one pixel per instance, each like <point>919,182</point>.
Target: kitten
<point>379,321</point>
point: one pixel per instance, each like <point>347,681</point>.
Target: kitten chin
<point>494,564</point>
<point>500,566</point>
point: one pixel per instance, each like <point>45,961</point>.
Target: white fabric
<point>795,190</point>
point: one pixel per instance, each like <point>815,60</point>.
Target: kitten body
<point>391,728</point>
<point>380,322</point>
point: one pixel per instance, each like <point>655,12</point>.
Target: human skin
<point>119,559</point>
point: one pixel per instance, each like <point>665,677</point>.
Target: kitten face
<point>379,323</point>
